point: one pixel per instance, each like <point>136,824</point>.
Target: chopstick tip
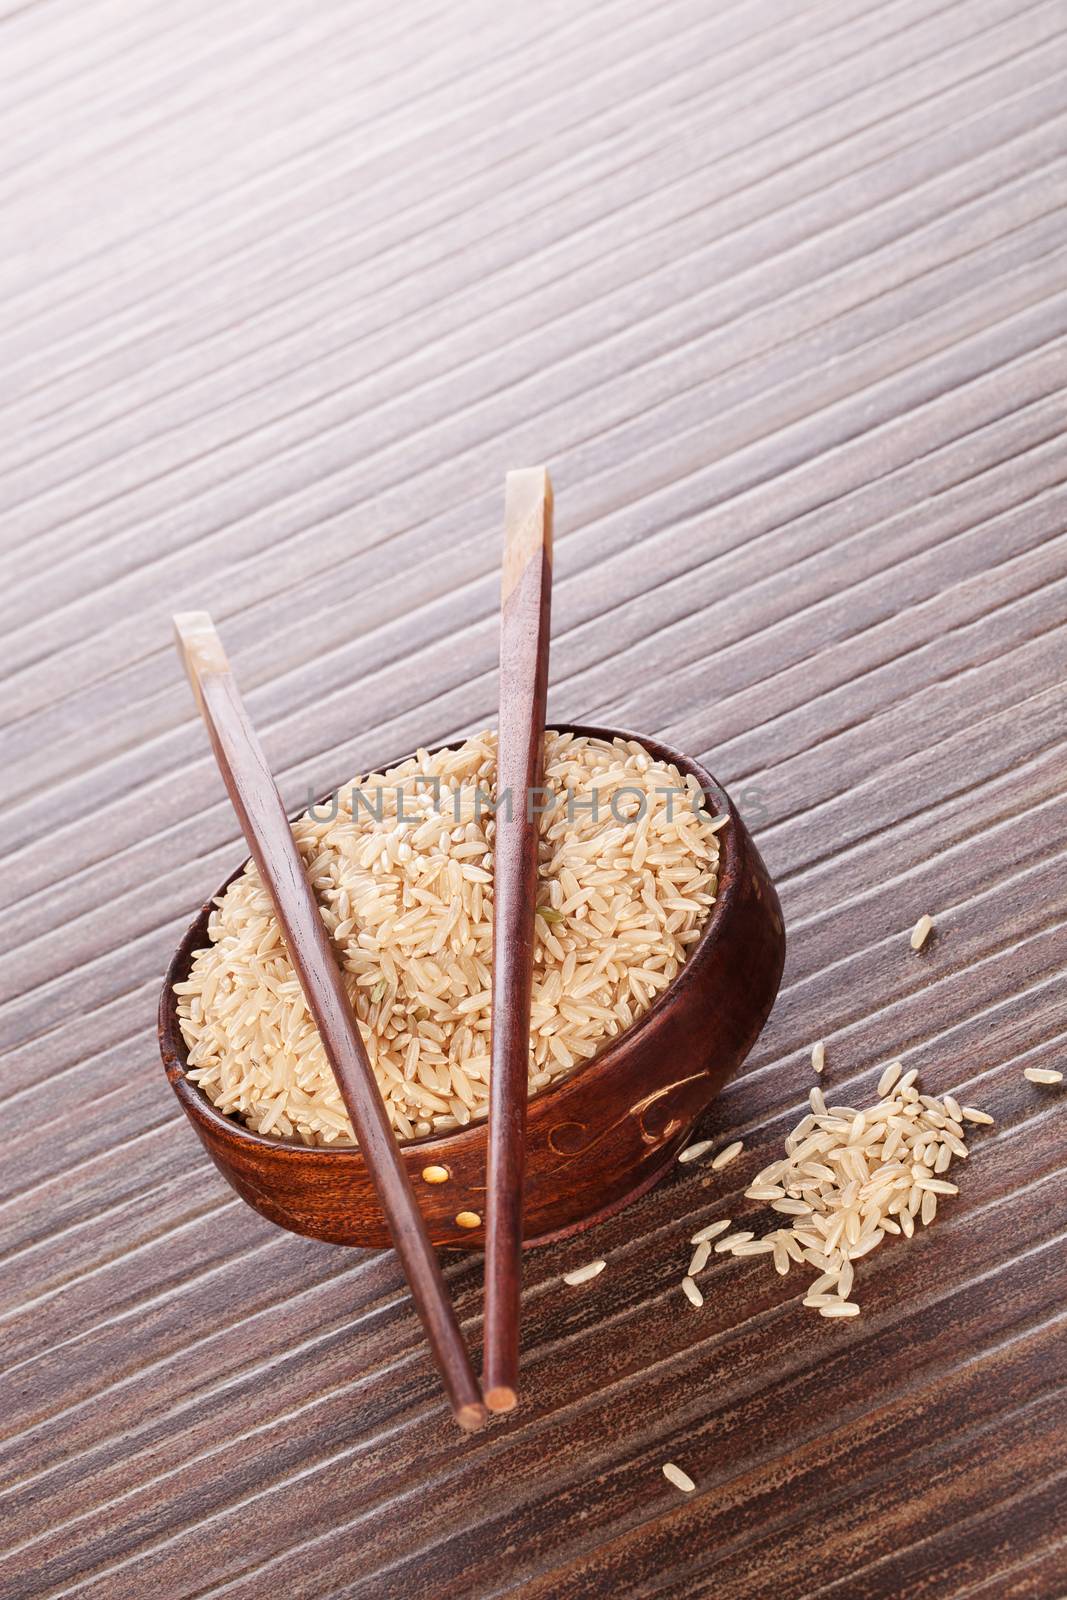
<point>501,1398</point>
<point>471,1416</point>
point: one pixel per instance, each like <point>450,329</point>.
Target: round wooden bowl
<point>595,1141</point>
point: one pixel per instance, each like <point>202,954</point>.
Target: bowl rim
<point>198,1107</point>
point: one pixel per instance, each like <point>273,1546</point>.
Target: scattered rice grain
<point>711,1231</point>
<point>724,1157</point>
<point>722,1245</point>
<point>700,1258</point>
<point>681,1480</point>
<point>850,1177</point>
<point>592,1269</point>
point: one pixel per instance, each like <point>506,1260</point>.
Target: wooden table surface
<point>778,292</point>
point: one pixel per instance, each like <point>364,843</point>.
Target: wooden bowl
<point>595,1141</point>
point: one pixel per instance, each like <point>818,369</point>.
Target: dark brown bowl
<point>596,1140</point>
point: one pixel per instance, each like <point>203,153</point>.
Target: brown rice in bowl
<point>401,863</point>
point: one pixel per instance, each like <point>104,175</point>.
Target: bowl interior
<point>197,1104</point>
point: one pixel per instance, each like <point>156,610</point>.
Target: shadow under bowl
<point>595,1141</point>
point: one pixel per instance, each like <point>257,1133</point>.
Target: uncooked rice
<point>407,896</point>
<point>921,932</point>
<point>849,1178</point>
<point>712,1230</point>
<point>592,1269</point>
<point>888,1078</point>
<point>1042,1075</point>
<point>680,1479</point>
<point>724,1157</point>
<point>692,1293</point>
<point>693,1152</point>
<point>818,1056</point>
<point>731,1240</point>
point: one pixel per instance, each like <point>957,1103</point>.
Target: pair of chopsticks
<point>525,605</point>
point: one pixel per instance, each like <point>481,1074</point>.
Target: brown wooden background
<point>778,292</point>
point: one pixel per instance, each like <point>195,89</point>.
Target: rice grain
<point>681,1480</point>
<point>700,1258</point>
<point>888,1078</point>
<point>711,1231</point>
<point>724,1157</point>
<point>592,1269</point>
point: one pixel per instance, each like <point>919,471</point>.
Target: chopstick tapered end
<point>528,506</point>
<point>501,1398</point>
<point>471,1417</point>
<point>199,646</point>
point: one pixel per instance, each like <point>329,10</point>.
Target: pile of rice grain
<point>849,1178</point>
<point>409,904</point>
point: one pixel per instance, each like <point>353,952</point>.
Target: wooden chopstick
<point>525,612</point>
<point>266,827</point>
